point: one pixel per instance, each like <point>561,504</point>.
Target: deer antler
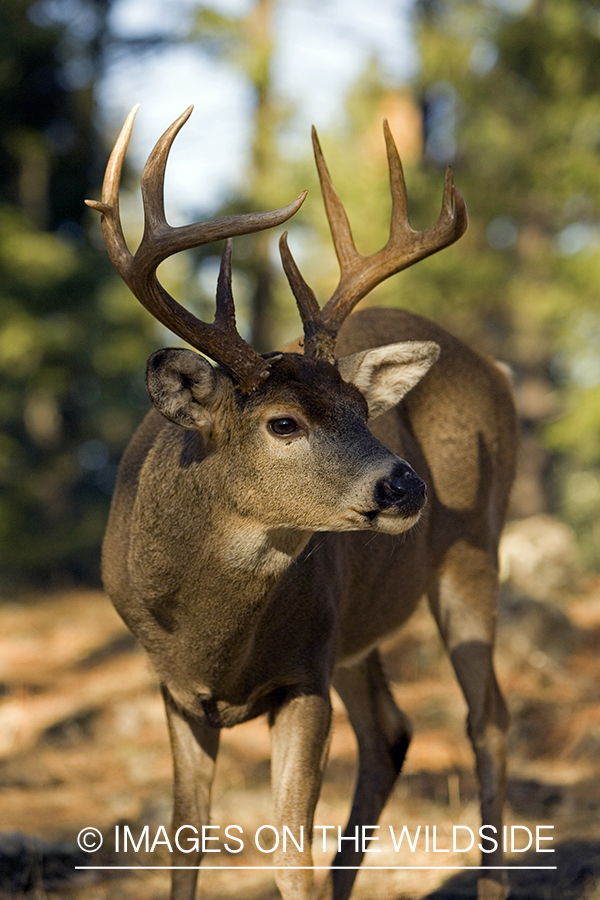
<point>219,340</point>
<point>360,274</point>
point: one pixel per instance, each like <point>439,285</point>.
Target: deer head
<point>284,418</point>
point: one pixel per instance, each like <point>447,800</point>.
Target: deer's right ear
<point>184,387</point>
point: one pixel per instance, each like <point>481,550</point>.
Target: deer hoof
<point>488,889</point>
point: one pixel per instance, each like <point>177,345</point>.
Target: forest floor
<point>83,743</point>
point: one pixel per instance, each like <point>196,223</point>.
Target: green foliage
<point>525,91</point>
<point>70,360</point>
<point>512,101</point>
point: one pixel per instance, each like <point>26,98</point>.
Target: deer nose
<point>401,488</point>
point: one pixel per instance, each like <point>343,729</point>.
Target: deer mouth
<point>371,514</point>
<point>411,516</point>
<point>390,521</point>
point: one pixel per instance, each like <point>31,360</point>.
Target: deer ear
<point>386,374</point>
<point>184,387</point>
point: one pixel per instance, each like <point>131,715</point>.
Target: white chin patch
<point>393,524</point>
<point>384,523</point>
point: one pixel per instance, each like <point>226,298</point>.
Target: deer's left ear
<point>386,374</point>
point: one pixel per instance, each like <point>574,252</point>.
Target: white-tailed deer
<point>256,542</point>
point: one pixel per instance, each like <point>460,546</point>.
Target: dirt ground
<point>83,743</point>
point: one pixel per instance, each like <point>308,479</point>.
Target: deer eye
<point>283,427</point>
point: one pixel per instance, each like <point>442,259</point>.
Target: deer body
<point>261,542</point>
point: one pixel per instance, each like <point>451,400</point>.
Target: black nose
<point>401,488</point>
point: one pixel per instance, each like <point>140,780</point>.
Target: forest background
<point>507,92</point>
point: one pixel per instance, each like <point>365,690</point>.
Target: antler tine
<point>319,341</point>
<point>219,340</point>
<point>399,223</point>
<point>109,205</point>
<point>339,225</point>
<point>225,315</point>
<point>153,176</point>
<point>453,220</point>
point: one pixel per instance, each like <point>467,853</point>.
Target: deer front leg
<point>464,605</point>
<point>299,748</point>
<point>383,733</point>
<point>194,746</point>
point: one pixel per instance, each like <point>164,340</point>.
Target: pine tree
<point>71,351</point>
<point>512,100</point>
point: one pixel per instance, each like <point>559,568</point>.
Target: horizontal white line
<point>271,868</point>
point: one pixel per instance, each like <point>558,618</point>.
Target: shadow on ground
<point>576,877</point>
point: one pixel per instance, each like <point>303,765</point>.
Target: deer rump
<point>263,540</point>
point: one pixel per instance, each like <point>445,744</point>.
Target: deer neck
<point>220,555</point>
<point>246,552</point>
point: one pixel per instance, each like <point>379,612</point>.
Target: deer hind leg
<point>464,605</point>
<point>383,733</point>
<point>194,746</point>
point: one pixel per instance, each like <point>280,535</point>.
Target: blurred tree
<point>509,94</point>
<point>356,151</point>
<point>511,97</point>
<point>248,43</point>
<point>70,349</point>
<point>72,344</point>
